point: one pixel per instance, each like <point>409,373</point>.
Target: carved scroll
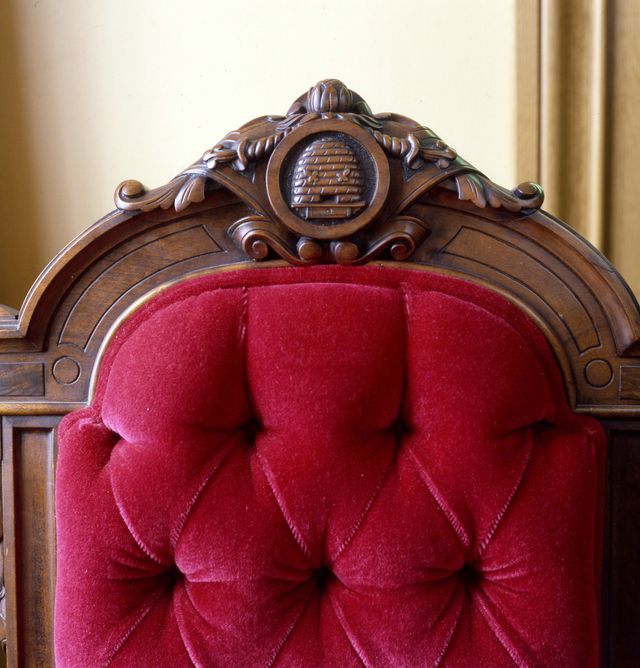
<point>257,236</point>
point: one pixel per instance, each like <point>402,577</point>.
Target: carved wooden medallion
<point>327,179</point>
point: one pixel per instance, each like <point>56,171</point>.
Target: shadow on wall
<point>20,256</point>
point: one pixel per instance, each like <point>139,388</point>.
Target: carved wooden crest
<point>330,181</point>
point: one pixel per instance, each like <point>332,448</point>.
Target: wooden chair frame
<point>425,209</point>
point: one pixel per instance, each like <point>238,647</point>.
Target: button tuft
<point>400,427</point>
<point>469,575</point>
<point>322,576</point>
<point>252,429</point>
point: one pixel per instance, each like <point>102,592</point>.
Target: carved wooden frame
<point>423,207</point>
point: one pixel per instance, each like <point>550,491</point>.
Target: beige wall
<point>94,92</point>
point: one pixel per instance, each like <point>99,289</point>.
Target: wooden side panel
<point>28,473</point>
<point>630,382</point>
<point>24,379</point>
<point>621,581</point>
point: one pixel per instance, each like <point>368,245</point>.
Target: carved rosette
<point>330,181</point>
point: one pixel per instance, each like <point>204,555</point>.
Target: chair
<point>332,397</point>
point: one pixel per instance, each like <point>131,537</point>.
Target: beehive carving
<point>328,181</point>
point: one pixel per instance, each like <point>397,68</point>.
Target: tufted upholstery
<point>328,467</point>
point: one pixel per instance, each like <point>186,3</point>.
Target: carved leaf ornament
<point>330,181</point>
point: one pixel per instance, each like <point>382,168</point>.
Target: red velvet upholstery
<point>328,467</point>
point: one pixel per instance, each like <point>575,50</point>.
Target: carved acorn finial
<point>329,95</point>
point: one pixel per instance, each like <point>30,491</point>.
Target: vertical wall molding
<point>528,90</point>
<point>573,112</point>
